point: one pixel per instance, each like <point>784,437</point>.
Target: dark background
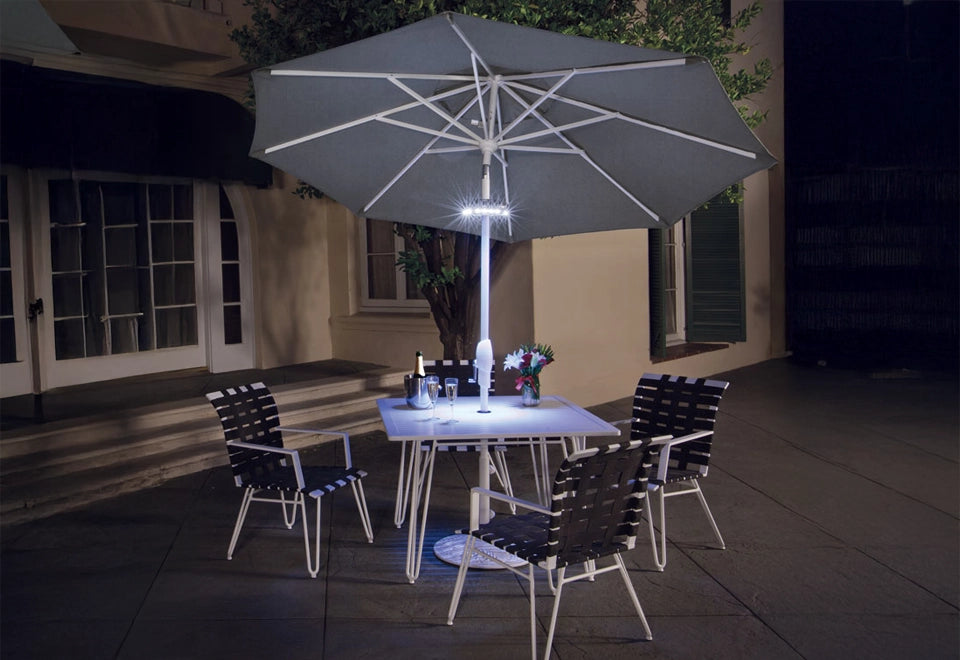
<point>871,170</point>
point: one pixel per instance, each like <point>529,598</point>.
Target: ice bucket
<point>416,389</point>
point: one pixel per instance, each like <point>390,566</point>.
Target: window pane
<point>231,283</point>
<point>183,241</point>
<point>232,327</point>
<point>184,285</point>
<point>226,209</point>
<point>4,204</point>
<point>122,291</point>
<point>67,295</point>
<point>162,236</point>
<point>4,244</point>
<point>8,341</point>
<point>161,202</point>
<point>381,277</point>
<point>63,202</point>
<point>182,202</point>
<point>229,242</point>
<point>124,335</point>
<point>380,237</point>
<point>65,248</point>
<point>163,285</point>
<point>176,327</point>
<point>68,336</point>
<point>121,248</point>
<point>6,293</point>
<point>120,202</point>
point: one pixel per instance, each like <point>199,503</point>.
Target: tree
<point>444,264</point>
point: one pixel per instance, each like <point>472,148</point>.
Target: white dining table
<point>508,421</point>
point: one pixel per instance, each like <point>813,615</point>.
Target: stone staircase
<point>55,466</point>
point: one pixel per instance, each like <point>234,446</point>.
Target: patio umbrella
<point>550,134</point>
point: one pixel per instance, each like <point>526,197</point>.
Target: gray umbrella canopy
<point>580,135</point>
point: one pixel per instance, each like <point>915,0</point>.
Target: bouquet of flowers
<point>529,359</point>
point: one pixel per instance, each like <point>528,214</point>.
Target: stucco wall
<point>292,277</point>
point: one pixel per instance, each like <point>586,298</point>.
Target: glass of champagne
<point>450,386</point>
<point>433,391</point>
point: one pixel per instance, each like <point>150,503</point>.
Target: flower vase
<point>529,396</point>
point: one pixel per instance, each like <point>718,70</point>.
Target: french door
<point>135,275</point>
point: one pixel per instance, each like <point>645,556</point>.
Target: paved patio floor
<point>836,491</point>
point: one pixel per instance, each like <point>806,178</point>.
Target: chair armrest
<point>667,442</point>
<point>622,422</point>
<point>341,434</point>
<point>476,492</point>
<point>293,454</point>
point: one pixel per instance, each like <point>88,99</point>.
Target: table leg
<point>415,545</point>
<point>484,480</point>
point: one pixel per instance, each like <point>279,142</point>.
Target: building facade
<point>139,238</point>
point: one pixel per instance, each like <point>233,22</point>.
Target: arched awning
<point>52,118</point>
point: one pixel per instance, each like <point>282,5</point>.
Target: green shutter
<point>658,330</point>
<point>715,283</point>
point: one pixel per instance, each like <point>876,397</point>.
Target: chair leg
<point>659,558</point>
<point>561,572</point>
<point>289,517</point>
<point>461,578</point>
<point>361,500</point>
<point>706,510</point>
<point>633,594</point>
<point>313,566</point>
<point>241,516</point>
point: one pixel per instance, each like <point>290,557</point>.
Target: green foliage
<point>698,27</point>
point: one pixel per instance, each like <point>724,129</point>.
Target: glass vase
<point>529,396</point>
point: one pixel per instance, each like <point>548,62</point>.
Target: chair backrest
<point>462,369</point>
<point>598,498</point>
<point>677,406</point>
<point>248,413</point>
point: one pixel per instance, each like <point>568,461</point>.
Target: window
<point>697,283</point>
<point>230,272</point>
<point>384,285</point>
<point>123,271</point>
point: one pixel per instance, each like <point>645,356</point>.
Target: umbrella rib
<point>640,122</point>
<point>370,74</point>
<point>536,104</point>
<point>646,209</point>
<point>610,68</point>
<point>425,150</point>
<point>364,120</point>
<point>423,129</point>
<point>430,106</point>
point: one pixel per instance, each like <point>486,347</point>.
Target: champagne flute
<point>433,391</point>
<point>450,386</point>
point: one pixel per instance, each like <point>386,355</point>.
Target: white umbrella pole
<point>484,360</point>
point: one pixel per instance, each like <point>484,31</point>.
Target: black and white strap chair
<point>597,502</point>
<point>685,408</point>
<point>260,462</point>
<point>465,372</point>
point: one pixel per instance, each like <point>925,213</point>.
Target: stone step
<point>61,465</point>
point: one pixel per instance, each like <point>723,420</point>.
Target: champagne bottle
<point>419,372</point>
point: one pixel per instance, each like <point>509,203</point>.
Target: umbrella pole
<point>484,361</point>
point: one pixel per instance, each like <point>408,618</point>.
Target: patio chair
<point>465,372</point>
<point>685,408</point>
<point>261,464</point>
<point>597,503</point>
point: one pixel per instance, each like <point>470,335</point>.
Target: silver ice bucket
<point>416,389</point>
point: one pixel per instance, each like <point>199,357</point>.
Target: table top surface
<point>508,418</point>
